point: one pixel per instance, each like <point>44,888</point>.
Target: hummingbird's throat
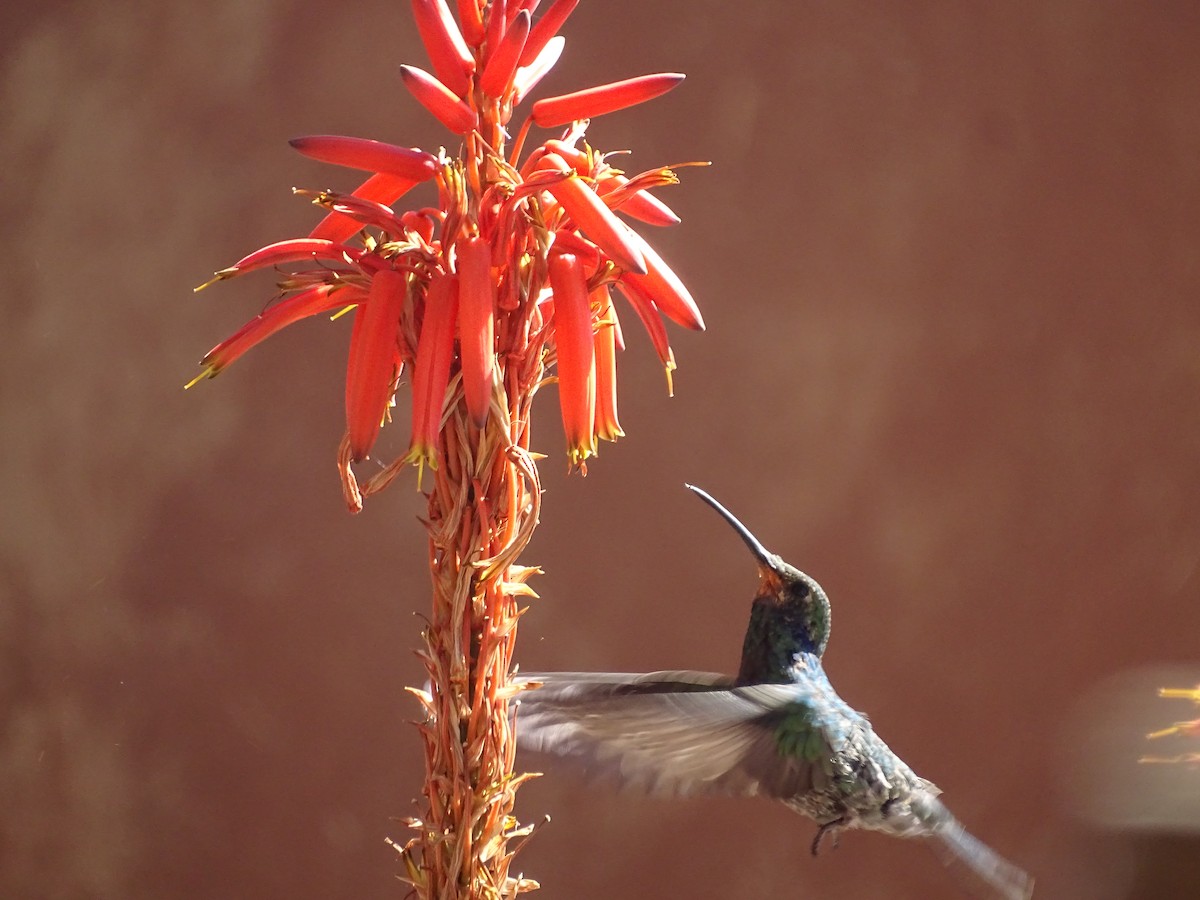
<point>770,586</point>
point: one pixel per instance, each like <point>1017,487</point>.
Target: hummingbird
<point>777,730</point>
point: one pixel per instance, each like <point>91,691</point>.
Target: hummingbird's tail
<point>979,866</point>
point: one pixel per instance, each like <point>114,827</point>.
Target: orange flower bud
<point>502,60</point>
<point>546,28</point>
<point>476,324</point>
<point>597,221</point>
<point>431,372</point>
<point>439,100</point>
<point>605,425</point>
<point>604,98</point>
<point>576,354</point>
<point>497,22</point>
<point>363,153</point>
<point>663,286</point>
<point>451,58</point>
<point>374,361</point>
<point>472,21</point>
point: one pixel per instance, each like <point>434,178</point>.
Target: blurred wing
<point>682,732</point>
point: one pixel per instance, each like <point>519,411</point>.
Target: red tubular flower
<point>383,187</point>
<point>648,315</point>
<point>519,6</point>
<point>576,354</point>
<point>310,302</point>
<point>605,98</point>
<point>471,18</point>
<point>502,61</point>
<point>448,52</point>
<point>431,372</point>
<point>641,205</point>
<point>374,360</point>
<point>439,100</point>
<point>595,220</point>
<point>546,28</point>
<point>476,324</point>
<point>363,153</point>
<point>495,24</point>
<point>294,250</point>
<point>663,286</point>
<point>605,425</point>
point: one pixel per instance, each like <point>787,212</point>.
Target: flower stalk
<point>499,288</point>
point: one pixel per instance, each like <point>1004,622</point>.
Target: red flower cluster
<point>518,257</point>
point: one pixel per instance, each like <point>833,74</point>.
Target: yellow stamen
<point>223,275</point>
<point>1154,735</point>
<point>207,372</point>
<point>1192,694</point>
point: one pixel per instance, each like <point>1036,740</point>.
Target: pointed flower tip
<point>502,64</point>
<point>442,102</point>
<point>605,98</point>
<point>665,289</point>
<point>369,155</point>
<point>596,220</point>
<point>546,28</point>
<point>448,52</point>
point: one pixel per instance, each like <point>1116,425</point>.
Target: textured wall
<point>948,258</point>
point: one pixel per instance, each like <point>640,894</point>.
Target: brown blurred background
<point>948,255</point>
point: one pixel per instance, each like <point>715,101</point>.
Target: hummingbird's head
<point>785,594</point>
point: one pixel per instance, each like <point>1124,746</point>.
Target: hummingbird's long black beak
<point>767,560</point>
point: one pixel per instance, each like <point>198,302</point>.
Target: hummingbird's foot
<point>833,826</point>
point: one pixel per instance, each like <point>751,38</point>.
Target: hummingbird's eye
<point>801,589</point>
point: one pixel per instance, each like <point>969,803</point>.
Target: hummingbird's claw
<point>832,827</point>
